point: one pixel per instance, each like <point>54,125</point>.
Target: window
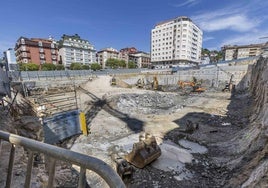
<point>40,43</point>
<point>52,45</point>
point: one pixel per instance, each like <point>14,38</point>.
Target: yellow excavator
<point>155,83</point>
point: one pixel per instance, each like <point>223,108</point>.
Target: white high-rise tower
<point>177,41</point>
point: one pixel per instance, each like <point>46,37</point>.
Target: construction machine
<point>155,83</point>
<point>113,81</point>
<point>144,152</point>
<point>196,86</point>
<point>140,83</point>
<point>229,85</point>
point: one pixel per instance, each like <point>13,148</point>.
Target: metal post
<point>10,166</point>
<point>29,170</point>
<point>0,146</point>
<point>51,172</point>
<point>217,78</point>
<point>82,178</point>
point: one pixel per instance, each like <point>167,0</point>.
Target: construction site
<point>205,127</point>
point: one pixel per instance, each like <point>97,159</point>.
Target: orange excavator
<point>196,87</point>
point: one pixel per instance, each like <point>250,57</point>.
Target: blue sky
<point>125,23</point>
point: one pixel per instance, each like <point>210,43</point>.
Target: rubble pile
<point>151,103</point>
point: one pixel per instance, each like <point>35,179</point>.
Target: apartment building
<point>176,41</point>
<point>9,60</point>
<point>141,59</point>
<point>242,51</point>
<point>125,52</point>
<point>73,49</point>
<point>106,53</point>
<point>36,50</point>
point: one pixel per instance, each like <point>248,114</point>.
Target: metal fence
<point>65,75</point>
<point>56,153</point>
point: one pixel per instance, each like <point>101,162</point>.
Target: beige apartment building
<point>106,53</point>
<point>176,41</point>
<point>141,59</point>
<point>242,51</point>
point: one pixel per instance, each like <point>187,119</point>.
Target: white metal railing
<point>56,153</point>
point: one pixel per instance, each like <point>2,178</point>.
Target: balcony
<point>25,49</point>
<point>23,55</point>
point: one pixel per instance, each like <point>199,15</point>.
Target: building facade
<point>141,59</point>
<point>36,50</point>
<point>125,52</point>
<point>73,49</point>
<point>243,51</point>
<point>106,53</point>
<point>177,41</point>
<point>10,60</point>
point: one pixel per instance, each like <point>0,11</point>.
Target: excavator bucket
<point>144,152</point>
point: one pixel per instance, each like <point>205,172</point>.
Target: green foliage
<point>85,67</point>
<point>95,66</point>
<point>75,66</point>
<point>115,63</point>
<point>112,63</point>
<point>48,67</point>
<point>131,65</point>
<point>60,67</point>
<point>122,64</point>
<point>28,67</point>
<point>214,55</point>
<point>205,51</point>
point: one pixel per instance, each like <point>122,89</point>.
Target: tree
<point>28,67</point>
<point>131,65</point>
<point>113,63</point>
<point>85,67</point>
<point>205,51</point>
<point>59,67</point>
<point>122,63</point>
<point>75,66</point>
<point>95,66</point>
<point>48,67</point>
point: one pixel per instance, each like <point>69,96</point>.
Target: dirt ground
<point>190,158</point>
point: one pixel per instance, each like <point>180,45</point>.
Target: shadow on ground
<point>133,124</point>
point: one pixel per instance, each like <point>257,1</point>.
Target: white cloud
<point>240,18</point>
<point>233,22</point>
<point>208,38</point>
<point>187,3</point>
<point>248,38</point>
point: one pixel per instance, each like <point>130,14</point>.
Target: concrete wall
<point>214,75</point>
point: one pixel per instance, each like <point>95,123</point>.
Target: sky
<point>127,23</point>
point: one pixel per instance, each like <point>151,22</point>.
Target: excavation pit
<point>150,103</point>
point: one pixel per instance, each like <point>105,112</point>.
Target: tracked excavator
<point>196,86</point>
